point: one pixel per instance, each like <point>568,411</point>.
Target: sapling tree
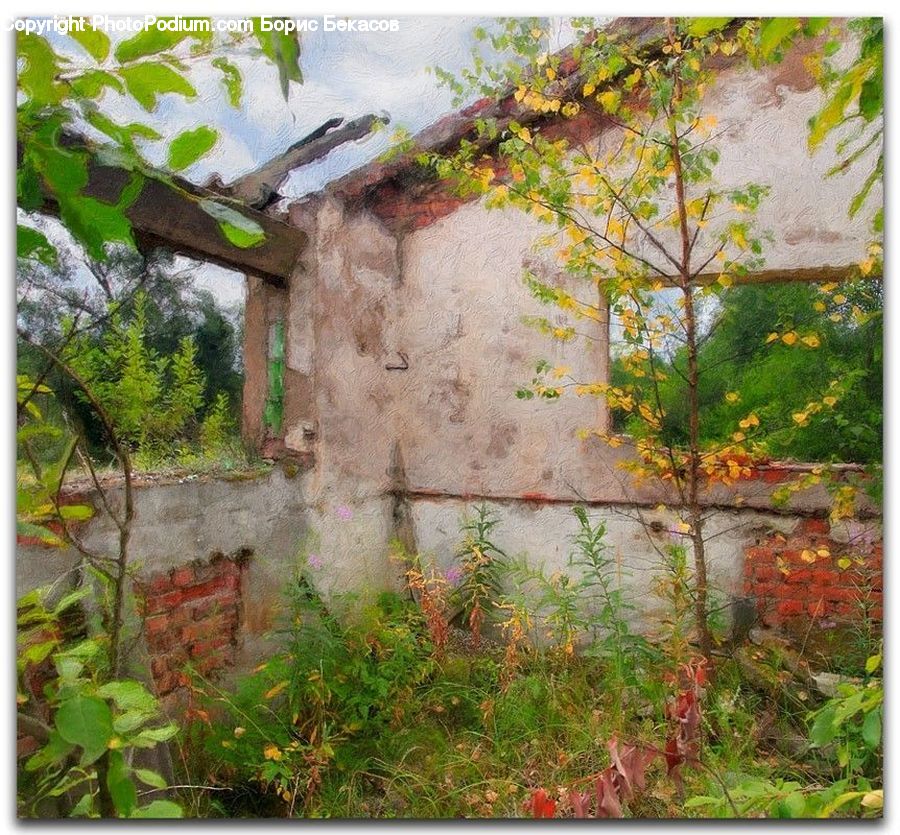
<point>71,91</point>
<point>624,172</point>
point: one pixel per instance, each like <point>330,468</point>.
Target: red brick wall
<point>809,576</point>
<point>192,615</point>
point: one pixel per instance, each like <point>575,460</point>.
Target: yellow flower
<point>732,397</point>
<point>272,752</point>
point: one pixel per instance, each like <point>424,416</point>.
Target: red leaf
<point>541,805</point>
<point>580,803</point>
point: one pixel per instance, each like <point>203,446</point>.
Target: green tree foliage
<point>61,97</point>
<point>155,400</point>
<point>744,374</point>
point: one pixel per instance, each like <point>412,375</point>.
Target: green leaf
<point>83,807</point>
<point>149,80</point>
<point>159,809</point>
<point>32,244</point>
<point>148,42</point>
<point>822,731</point>
<point>774,32</point>
<point>38,652</point>
<point>92,83</point>
<point>871,729</point>
<point>871,98</point>
<point>95,42</point>
<point>239,230</point>
<point>231,78</point>
<point>150,778</point>
<point>45,535</point>
<point>54,751</point>
<point>188,147</point>
<point>96,224</point>
<point>794,805</point>
<point>151,736</point>
<point>28,187</point>
<point>85,721</point>
<point>70,599</point>
<point>700,27</point>
<point>283,50</point>
<point>129,695</point>
<point>37,78</point>
<point>76,512</point>
<point>121,786</point>
<point>873,662</point>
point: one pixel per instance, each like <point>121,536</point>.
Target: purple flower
<point>453,575</point>
<point>343,512</point>
<point>314,561</point>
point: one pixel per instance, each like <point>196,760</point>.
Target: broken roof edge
<point>443,134</point>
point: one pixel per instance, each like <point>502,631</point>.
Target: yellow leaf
<point>829,401</point>
<point>750,420</point>
<point>873,799</point>
<point>844,563</point>
<point>812,341</point>
<point>525,135</point>
<point>738,437</point>
<point>840,298</point>
<point>551,73</point>
<point>609,100</point>
<point>732,397</point>
<point>800,418</point>
<point>808,556</point>
<point>771,337</point>
<point>588,89</point>
<point>273,692</point>
<point>823,552</point>
<point>683,527</point>
<point>561,371</point>
<point>725,280</point>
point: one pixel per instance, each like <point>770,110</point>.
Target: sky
<point>345,74</point>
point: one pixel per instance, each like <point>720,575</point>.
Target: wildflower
<point>343,512</point>
<point>453,575</point>
<point>314,561</point>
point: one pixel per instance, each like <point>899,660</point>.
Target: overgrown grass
<point>396,734</point>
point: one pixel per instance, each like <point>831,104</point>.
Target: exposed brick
<point>213,663</point>
<point>183,576</point>
<point>202,649</point>
<point>159,584</point>
<point>163,602</point>
<point>799,575</point>
<point>817,526</point>
<point>767,573</point>
<point>817,609</point>
<point>788,608</point>
<point>157,624</point>
<point>835,594</point>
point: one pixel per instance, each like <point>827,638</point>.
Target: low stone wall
<point>213,558</point>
